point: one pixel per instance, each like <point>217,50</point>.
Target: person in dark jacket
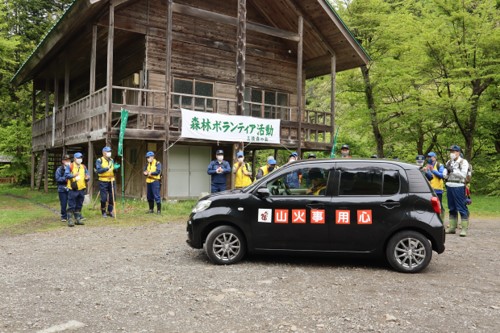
<point>218,169</point>
<point>62,188</point>
<point>152,171</point>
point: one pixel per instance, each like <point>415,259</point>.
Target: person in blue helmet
<point>62,186</point>
<point>152,171</point>
<point>345,152</point>
<point>218,169</point>
<point>293,178</point>
<point>434,173</point>
<point>105,168</point>
<point>77,175</point>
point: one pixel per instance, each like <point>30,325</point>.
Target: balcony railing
<point>86,118</point>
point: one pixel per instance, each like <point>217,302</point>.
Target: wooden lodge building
<point>152,57</point>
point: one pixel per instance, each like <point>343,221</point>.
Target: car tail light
<point>436,205</point>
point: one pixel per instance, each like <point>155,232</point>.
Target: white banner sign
<point>223,127</point>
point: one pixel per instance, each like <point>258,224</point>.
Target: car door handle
<point>315,205</point>
<point>390,204</point>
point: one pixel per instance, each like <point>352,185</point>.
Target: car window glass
<point>391,182</point>
<point>360,182</point>
<point>302,181</point>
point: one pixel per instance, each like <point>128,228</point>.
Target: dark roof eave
<point>72,17</point>
<point>345,31</point>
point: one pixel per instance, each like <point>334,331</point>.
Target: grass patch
<point>25,211</point>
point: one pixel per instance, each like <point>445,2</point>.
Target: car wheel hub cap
<point>226,246</point>
<point>410,252</point>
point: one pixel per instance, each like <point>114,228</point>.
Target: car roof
<point>339,161</point>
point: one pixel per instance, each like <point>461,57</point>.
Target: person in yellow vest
<point>434,173</point>
<point>152,171</point>
<point>242,172</point>
<point>105,168</point>
<point>318,182</point>
<point>77,175</point>
<point>270,166</point>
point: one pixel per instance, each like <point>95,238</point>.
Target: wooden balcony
<point>86,119</point>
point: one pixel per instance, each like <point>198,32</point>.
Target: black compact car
<point>372,207</point>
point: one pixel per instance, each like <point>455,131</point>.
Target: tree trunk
<point>370,101</point>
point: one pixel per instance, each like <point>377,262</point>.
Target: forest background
<point>433,81</point>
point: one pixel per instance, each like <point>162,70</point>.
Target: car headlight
<point>201,206</point>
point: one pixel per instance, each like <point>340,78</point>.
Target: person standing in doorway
<point>218,169</point>
<point>77,176</point>
<point>62,186</point>
<point>152,171</point>
<point>455,173</point>
<point>105,171</point>
<point>242,172</point>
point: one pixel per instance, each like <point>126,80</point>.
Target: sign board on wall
<point>223,127</point>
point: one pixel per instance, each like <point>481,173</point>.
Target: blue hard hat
<point>78,155</point>
<point>420,158</point>
<point>219,152</point>
<point>106,149</point>
<point>455,148</point>
<point>150,153</point>
<point>431,154</point>
<point>240,154</point>
<point>294,154</point>
<point>271,161</point>
<point>344,146</point>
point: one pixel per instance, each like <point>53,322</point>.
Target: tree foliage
<point>433,81</point>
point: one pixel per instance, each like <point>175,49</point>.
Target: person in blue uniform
<point>152,171</point>
<point>62,186</point>
<point>218,169</point>
<point>105,167</point>
<point>77,175</point>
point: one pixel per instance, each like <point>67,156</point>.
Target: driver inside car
<point>318,182</point>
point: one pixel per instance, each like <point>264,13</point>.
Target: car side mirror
<point>263,192</point>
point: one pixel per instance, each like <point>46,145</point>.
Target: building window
<point>266,104</point>
<point>192,94</point>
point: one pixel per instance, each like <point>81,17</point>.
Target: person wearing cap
<point>105,168</point>
<point>264,170</point>
<point>434,173</point>
<point>311,156</point>
<point>152,171</point>
<point>62,186</point>
<point>318,182</point>
<point>77,176</point>
<point>218,169</point>
<point>242,172</point>
<point>455,173</point>
<point>292,179</point>
<point>419,161</point>
<point>345,152</point>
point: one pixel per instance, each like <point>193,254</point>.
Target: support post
<point>109,73</point>
<point>33,161</point>
<point>90,167</point>
<point>54,110</point>
<point>168,100</point>
<point>66,101</point>
<point>241,44</point>
<point>333,77</point>
<point>93,55</point>
<point>46,121</point>
<point>300,88</point>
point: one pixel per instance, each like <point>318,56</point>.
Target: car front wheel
<point>225,245</point>
<point>409,252</point>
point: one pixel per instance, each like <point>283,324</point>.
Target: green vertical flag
<point>334,143</point>
<point>123,126</point>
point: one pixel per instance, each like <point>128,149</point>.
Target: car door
<point>366,206</point>
<point>293,218</point>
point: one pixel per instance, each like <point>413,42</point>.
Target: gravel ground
<point>146,279</point>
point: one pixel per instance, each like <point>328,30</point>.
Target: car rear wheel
<point>409,252</point>
<point>225,245</point>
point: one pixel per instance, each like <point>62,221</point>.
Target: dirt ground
<point>146,279</point>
